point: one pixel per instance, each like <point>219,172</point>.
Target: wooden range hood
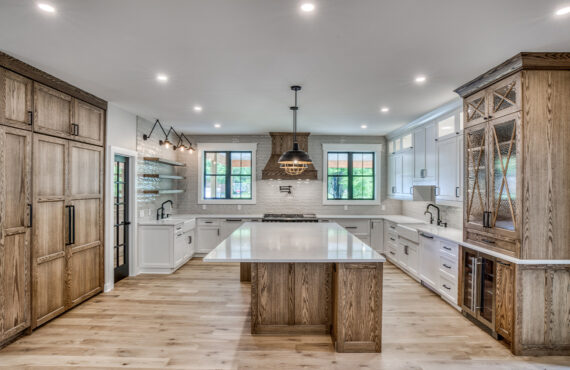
<point>280,143</point>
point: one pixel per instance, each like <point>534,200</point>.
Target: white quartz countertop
<point>292,243</point>
<point>399,219</point>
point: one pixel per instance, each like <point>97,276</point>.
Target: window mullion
<point>228,175</point>
<point>349,175</point>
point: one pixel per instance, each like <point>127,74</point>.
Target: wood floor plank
<point>198,318</point>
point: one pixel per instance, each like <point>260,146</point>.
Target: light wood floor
<point>198,318</point>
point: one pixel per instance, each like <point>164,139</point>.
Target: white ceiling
<point>237,58</point>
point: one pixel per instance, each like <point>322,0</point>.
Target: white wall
<point>121,139</point>
<point>121,128</point>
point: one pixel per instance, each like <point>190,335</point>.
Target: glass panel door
<point>469,281</point>
<point>121,217</point>
<point>505,97</point>
<point>503,174</point>
<point>487,291</point>
<point>476,174</point>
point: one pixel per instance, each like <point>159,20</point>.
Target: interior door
<point>121,217</point>
<point>89,121</point>
<point>52,111</point>
<point>50,232</point>
<point>475,176</point>
<point>85,251</point>
<point>16,105</point>
<point>503,174</point>
<point>15,227</point>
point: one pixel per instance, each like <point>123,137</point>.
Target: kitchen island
<point>310,278</point>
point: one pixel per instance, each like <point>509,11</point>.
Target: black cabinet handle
<point>31,218</point>
<point>503,263</point>
<point>446,248</point>
<point>189,239</point>
<point>218,232</point>
<point>351,227</point>
<point>426,236</point>
<point>31,113</point>
<point>73,229</point>
<point>446,287</point>
<point>392,239</point>
<point>392,253</point>
<point>393,227</point>
<point>457,191</point>
<point>488,241</point>
<point>406,250</point>
<point>68,225</point>
<point>76,130</point>
<point>446,266</point>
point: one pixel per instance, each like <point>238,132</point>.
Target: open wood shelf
<point>170,191</point>
<point>157,176</point>
<point>164,161</point>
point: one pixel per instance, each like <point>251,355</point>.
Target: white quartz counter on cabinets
<point>292,243</point>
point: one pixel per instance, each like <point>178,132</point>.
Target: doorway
<point>121,223</point>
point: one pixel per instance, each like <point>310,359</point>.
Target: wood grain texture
<point>90,121</point>
<point>524,60</point>
<point>504,301</point>
<point>358,306</point>
<point>542,310</point>
<point>199,318</point>
<point>546,194</point>
<point>291,298</point>
<point>15,197</point>
<point>53,112</point>
<point>245,272</point>
<point>35,74</point>
<point>282,142</point>
<point>15,100</point>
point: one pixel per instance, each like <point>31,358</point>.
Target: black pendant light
<point>295,161</point>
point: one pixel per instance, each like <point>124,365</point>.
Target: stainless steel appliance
<point>289,217</point>
<point>478,299</point>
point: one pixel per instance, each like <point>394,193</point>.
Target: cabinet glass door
<point>503,174</point>
<point>475,175</point>
<point>505,97</point>
<point>475,108</point>
<point>487,290</point>
<point>469,281</point>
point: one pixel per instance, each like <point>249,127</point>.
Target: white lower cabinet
<point>377,235</point>
<point>429,267</point>
<point>357,227</point>
<point>164,248</point>
<point>209,234</point>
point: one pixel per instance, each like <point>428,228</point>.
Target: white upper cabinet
<point>425,155</point>
<point>450,170</point>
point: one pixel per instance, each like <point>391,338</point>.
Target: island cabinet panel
<point>15,226</point>
<point>291,298</point>
<point>15,100</point>
<point>504,299</point>
<point>542,310</point>
<point>357,306</point>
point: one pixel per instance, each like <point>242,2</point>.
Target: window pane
<point>221,186</point>
<point>337,163</point>
<point>221,163</point>
<point>236,163</point>
<point>363,188</point>
<point>241,163</point>
<point>357,163</point>
<point>210,160</point>
<point>337,187</point>
<point>368,164</point>
<point>241,187</point>
<point>214,187</point>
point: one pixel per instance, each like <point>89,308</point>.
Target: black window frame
<point>351,176</point>
<point>228,175</point>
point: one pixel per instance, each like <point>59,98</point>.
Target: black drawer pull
<point>446,248</point>
<point>393,227</point>
<point>31,113</point>
<point>488,241</point>
<point>503,263</point>
<point>446,287</point>
<point>351,227</point>
<point>446,266</point>
<point>392,253</point>
<point>426,236</point>
<point>392,239</point>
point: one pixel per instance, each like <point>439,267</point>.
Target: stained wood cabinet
<point>15,226</point>
<point>16,100</point>
<point>58,114</point>
<point>504,300</point>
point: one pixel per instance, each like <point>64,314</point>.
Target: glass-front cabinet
<point>478,289</point>
<point>475,176</point>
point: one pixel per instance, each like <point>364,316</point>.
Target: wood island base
<point>340,299</point>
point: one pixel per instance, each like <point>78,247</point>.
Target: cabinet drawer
<point>390,226</point>
<point>391,252</point>
<point>448,248</point>
<point>208,222</point>
<point>492,242</point>
<point>355,226</point>
<point>448,265</point>
<point>185,226</point>
<point>448,288</point>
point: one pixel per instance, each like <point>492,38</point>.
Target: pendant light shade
<point>294,161</point>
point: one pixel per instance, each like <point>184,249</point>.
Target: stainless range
<point>289,217</point>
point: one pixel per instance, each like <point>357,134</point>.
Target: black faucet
<point>439,222</point>
<point>160,211</point>
<point>430,216</point>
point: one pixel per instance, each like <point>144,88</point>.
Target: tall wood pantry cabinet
<point>51,197</point>
<point>517,195</point>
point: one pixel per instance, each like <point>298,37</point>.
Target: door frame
<point>133,266</point>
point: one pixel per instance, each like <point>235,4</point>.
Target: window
<point>227,173</point>
<point>350,174</point>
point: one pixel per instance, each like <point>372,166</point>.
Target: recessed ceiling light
<point>197,108</point>
<point>363,126</point>
<point>46,7</point>
<point>162,77</point>
<point>563,11</point>
<point>308,7</point>
<point>217,125</point>
<point>384,109</point>
<point>420,79</point>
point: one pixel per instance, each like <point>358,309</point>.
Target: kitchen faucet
<point>430,216</point>
<point>439,222</point>
<point>160,211</point>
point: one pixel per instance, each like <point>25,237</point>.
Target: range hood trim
<point>281,142</point>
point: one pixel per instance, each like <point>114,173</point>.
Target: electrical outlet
<point>383,207</point>
<point>204,206</point>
